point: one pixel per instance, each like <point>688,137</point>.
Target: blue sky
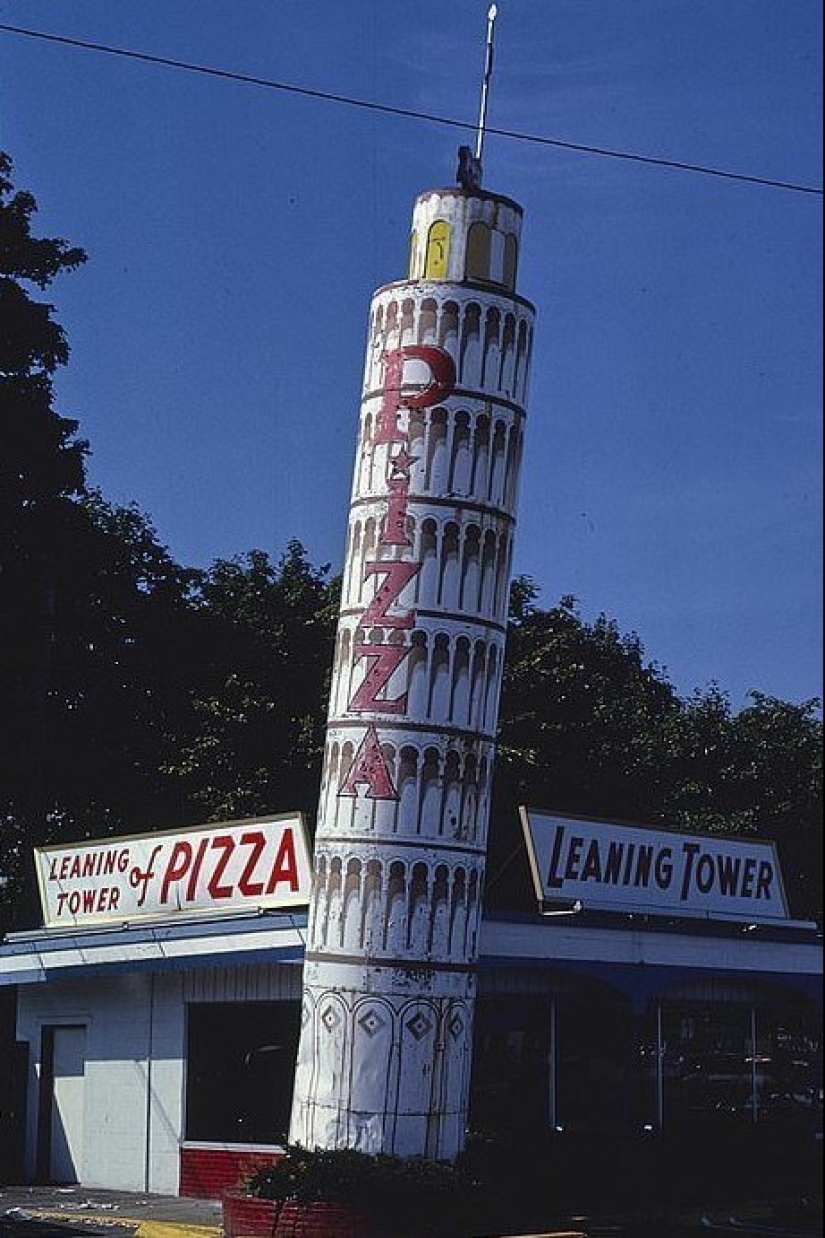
<point>673,472</point>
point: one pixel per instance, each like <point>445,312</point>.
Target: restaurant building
<point>659,986</point>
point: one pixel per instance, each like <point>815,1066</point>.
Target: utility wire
<point>410,113</point>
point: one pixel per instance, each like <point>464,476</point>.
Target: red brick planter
<point>207,1170</point>
<point>324,1219</point>
<point>247,1217</point>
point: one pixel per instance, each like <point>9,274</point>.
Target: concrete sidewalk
<point>145,1216</point>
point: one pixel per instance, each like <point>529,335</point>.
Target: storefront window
<point>706,1065</point>
<point>553,1063</point>
<point>240,1065</point>
<point>593,1044</point>
<point>510,1082</point>
<point>646,1073</point>
<point>788,1068</point>
<point>738,1063</point>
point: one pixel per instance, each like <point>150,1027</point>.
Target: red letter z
<point>385,660</point>
<point>398,576</point>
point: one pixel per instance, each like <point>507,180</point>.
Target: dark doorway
<point>14,1059</point>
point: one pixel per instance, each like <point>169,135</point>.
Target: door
<point>14,1061</point>
<point>63,1080</point>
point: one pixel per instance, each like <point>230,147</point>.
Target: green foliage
<point>40,460</point>
<point>424,1197</point>
<point>346,1176</point>
<point>506,1185</point>
<point>98,686</point>
<point>757,772</point>
<point>582,726</point>
<point>41,476</point>
<point>260,692</point>
<point>21,254</point>
<point>580,708</point>
<point>173,697</point>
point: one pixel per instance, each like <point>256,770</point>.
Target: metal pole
<point>553,1064</point>
<point>754,1075</point>
<point>492,13</point>
<point>660,1070</point>
<point>150,1054</point>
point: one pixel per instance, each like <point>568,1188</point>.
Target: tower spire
<point>492,14</point>
<point>469,161</point>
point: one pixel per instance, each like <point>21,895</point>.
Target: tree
<point>581,729</point>
<point>122,652</point>
<point>41,460</point>
<point>125,652</point>
<point>41,472</point>
<point>582,711</point>
<point>757,772</point>
<point>260,695</point>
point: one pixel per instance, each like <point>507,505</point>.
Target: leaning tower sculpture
<point>389,980</point>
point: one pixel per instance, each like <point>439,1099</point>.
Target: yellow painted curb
<point>175,1229</point>
<point>141,1228</point>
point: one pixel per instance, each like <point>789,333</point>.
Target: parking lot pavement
<point>81,1210</point>
<point>784,1219</point>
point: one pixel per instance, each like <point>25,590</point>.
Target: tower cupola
<point>466,236</point>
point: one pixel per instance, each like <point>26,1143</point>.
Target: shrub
<point>429,1197</point>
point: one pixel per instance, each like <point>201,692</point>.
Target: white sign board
<point>633,868</point>
<point>262,862</point>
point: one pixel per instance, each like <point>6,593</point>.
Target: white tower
<point>389,983</point>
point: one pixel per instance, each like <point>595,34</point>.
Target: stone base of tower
<point>385,1065</point>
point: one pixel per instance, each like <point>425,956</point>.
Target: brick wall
<point>207,1170</point>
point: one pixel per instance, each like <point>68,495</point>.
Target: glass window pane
<point>645,1111</point>
<point>592,1080</point>
<point>240,1065</point>
<point>789,1068</point>
<point>707,1066</point>
<point>511,1077</point>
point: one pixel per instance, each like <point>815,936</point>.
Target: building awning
<point>638,960</point>
<point>35,957</point>
<point>643,962</point>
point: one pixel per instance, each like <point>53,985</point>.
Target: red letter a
<point>285,865</point>
<point>369,767</point>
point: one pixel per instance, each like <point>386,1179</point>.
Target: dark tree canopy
<point>259,696</point>
<point>40,458</point>
<point>41,477</point>
<point>582,713</point>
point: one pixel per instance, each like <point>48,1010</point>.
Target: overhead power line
<point>410,113</point>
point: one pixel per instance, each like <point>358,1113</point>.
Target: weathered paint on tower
<point>389,983</point>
